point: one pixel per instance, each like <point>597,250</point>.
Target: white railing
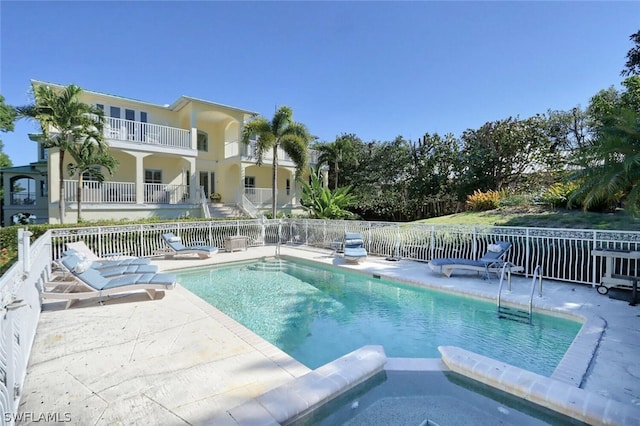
<point>248,152</point>
<point>125,193</point>
<point>262,197</point>
<point>100,192</point>
<point>160,193</point>
<point>247,206</point>
<point>147,133</point>
<point>564,254</point>
<point>20,290</point>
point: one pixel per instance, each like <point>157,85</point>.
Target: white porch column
<point>139,176</point>
<point>193,181</point>
<point>53,185</point>
<point>194,129</point>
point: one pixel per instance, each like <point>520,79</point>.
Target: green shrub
<point>481,201</point>
<point>558,194</point>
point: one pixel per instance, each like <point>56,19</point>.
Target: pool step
<point>268,266</point>
<point>513,314</point>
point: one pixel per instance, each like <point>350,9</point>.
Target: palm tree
<point>89,159</point>
<point>65,121</point>
<point>283,132</point>
<point>611,165</point>
<point>336,153</point>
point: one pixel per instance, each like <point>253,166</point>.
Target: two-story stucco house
<point>171,159</point>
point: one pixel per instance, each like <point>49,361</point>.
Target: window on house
<point>114,112</point>
<point>90,175</point>
<point>129,114</point>
<point>249,184</point>
<point>152,176</point>
<point>44,191</point>
<point>43,153</point>
<point>100,106</point>
<point>203,141</point>
<point>143,116</point>
<point>288,187</point>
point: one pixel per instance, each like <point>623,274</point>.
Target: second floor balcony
<point>118,129</point>
<point>248,153</point>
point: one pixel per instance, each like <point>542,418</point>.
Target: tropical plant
<point>480,201</point>
<point>611,165</point>
<point>281,131</point>
<point>90,158</point>
<point>322,203</point>
<point>558,194</point>
<point>336,153</point>
<point>65,121</point>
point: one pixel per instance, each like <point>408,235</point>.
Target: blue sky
<point>376,69</point>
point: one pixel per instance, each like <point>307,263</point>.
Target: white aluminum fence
<point>563,254</point>
<point>20,290</point>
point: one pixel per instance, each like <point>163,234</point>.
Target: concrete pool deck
<point>178,360</point>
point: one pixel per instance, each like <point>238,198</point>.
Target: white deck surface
<point>178,360</point>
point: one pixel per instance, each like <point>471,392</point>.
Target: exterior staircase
<point>225,210</point>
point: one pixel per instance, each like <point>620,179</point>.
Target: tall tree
<point>336,153</point>
<point>90,158</point>
<point>498,155</point>
<point>281,131</point>
<point>65,121</point>
<point>632,66</point>
<point>611,166</point>
<point>7,118</point>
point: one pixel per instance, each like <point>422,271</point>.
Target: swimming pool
<point>318,313</point>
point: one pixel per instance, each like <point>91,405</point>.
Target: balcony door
<point>204,182</point>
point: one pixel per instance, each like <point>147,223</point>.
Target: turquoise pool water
<point>317,314</point>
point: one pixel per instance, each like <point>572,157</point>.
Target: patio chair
<point>491,261</point>
<point>91,283</point>
<point>353,250</point>
<point>73,262</point>
<point>84,251</point>
<point>177,248</point>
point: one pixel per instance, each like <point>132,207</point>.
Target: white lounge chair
<point>492,261</point>
<point>73,262</point>
<point>83,250</point>
<point>91,283</point>
<point>354,251</point>
<point>177,248</point>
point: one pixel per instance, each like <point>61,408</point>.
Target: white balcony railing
<point>147,133</point>
<point>160,193</point>
<point>125,193</point>
<point>262,197</point>
<point>248,152</point>
<point>100,192</point>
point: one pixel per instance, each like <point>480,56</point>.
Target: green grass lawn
<point>538,217</point>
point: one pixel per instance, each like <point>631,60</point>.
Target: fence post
<point>475,242</point>
<point>594,279</point>
<point>432,243</point>
<point>263,234</point>
<point>24,249</point>
<point>527,252</point>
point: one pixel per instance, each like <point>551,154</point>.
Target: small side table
<point>236,242</point>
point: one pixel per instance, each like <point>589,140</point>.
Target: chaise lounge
<point>91,283</point>
<point>354,250</point>
<point>492,261</point>
<point>177,248</point>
